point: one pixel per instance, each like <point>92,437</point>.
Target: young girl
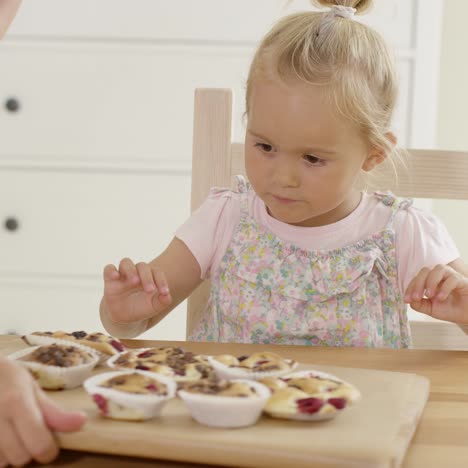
<point>301,256</point>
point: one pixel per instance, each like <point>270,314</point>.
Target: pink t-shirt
<point>421,239</point>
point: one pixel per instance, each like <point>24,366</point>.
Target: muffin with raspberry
<point>309,396</point>
<point>131,395</point>
<point>255,366</point>
<point>173,362</point>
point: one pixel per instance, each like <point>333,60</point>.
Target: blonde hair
<point>348,58</point>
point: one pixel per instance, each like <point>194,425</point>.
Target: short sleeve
<point>208,231</point>
<point>422,240</point>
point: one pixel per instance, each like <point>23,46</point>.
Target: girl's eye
<point>264,147</point>
<point>313,160</point>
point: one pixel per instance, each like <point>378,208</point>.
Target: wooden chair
<point>215,160</point>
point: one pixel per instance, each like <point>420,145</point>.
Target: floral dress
<point>267,290</point>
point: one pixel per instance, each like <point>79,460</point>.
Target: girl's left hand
<point>440,292</point>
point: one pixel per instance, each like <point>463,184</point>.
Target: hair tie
<point>343,11</point>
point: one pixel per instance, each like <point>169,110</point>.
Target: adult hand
<point>28,418</point>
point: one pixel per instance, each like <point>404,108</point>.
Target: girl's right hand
<point>28,418</point>
<point>133,293</point>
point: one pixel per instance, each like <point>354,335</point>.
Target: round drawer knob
<point>12,105</point>
<point>11,224</point>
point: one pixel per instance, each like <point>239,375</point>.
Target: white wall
<point>453,107</point>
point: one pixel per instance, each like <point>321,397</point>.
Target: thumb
<point>424,306</point>
<point>58,419</point>
<point>161,302</point>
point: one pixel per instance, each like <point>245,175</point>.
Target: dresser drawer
<point>73,223</point>
<point>106,102</point>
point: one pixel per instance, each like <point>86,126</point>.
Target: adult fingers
<point>59,419</point>
<point>11,446</point>
<point>31,428</point>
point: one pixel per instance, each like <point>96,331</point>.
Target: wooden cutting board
<point>374,433</point>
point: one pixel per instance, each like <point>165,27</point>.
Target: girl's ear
<point>377,155</point>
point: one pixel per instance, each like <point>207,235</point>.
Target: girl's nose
<point>286,172</point>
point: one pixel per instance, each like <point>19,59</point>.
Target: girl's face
<point>301,159</point>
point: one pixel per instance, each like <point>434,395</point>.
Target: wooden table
<point>440,440</point>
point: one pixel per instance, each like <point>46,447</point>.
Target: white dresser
<point>96,102</point>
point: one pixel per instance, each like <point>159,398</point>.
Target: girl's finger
<point>424,306</point>
<point>161,302</point>
<point>415,290</point>
<point>128,270</point>
<point>447,286</point>
<point>161,282</point>
<point>11,446</point>
<point>434,278</point>
<point>111,273</point>
<point>146,277</point>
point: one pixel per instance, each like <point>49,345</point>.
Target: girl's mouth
<point>283,200</point>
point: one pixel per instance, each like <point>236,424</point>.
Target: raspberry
<point>338,403</point>
<point>117,345</point>
<point>101,403</point>
<point>142,367</point>
<point>309,405</point>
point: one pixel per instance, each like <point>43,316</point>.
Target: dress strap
<point>397,204</point>
<point>243,187</point>
<point>242,184</point>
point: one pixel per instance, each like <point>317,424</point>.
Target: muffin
<point>173,362</point>
<point>105,345</point>
<point>58,366</point>
<point>130,395</point>
<point>256,366</point>
<point>225,403</point>
<point>308,396</point>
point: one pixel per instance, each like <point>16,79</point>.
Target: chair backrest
<point>216,159</point>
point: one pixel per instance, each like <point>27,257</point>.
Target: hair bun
<point>361,5</point>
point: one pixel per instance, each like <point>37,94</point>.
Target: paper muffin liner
<point>328,411</point>
<point>117,404</point>
<point>40,340</point>
<point>227,411</point>
<point>225,372</point>
<point>55,377</point>
<point>112,363</point>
